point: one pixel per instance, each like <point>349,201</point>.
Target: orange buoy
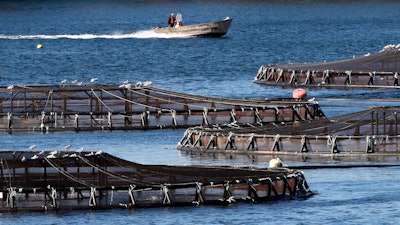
<point>299,93</point>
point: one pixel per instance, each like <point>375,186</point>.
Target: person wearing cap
<point>171,20</point>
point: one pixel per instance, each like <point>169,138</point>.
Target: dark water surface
<point>113,40</point>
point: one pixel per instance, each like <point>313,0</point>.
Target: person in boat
<point>171,20</point>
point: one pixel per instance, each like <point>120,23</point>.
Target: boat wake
<point>138,35</point>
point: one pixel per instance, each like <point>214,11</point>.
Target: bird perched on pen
<point>94,79</point>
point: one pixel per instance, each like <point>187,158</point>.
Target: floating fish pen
<point>126,107</point>
<point>379,70</point>
<point>41,181</point>
<point>374,131</point>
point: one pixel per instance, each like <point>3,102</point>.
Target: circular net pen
<point>62,180</point>
<point>374,131</point>
<point>113,107</point>
<point>378,70</point>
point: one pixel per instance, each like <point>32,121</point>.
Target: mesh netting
<point>385,60</point>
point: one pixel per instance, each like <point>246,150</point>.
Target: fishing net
<point>386,60</point>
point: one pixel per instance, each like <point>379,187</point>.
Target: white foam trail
<point>138,34</point>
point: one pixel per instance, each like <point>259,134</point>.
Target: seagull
<point>10,87</point>
<point>126,84</point>
<point>311,100</point>
<point>74,82</point>
<point>98,152</point>
<point>73,155</point>
<point>67,147</point>
<point>23,159</point>
<point>41,152</point>
<point>79,150</point>
<point>93,79</point>
<point>51,156</point>
<point>64,81</point>
<point>139,84</point>
<point>53,152</point>
<point>32,147</point>
<point>147,83</point>
<point>34,157</point>
<point>89,154</point>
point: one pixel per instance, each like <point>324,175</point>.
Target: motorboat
<point>211,29</point>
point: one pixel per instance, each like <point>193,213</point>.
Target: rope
<point>111,174</point>
<point>112,195</point>
<point>76,120</point>
<point>165,100</point>
<point>228,197</point>
<point>109,119</point>
<point>42,119</point>
<point>137,103</point>
<point>65,173</point>
<point>10,197</point>
<point>92,200</point>
<point>260,74</point>
<point>325,76</point>
<point>8,182</point>
<point>130,192</point>
<point>307,80</point>
<point>205,112</point>
<point>252,191</point>
<point>109,109</point>
<point>370,145</point>
<point>143,118</point>
<point>329,140</point>
<point>271,73</point>
<point>54,197</point>
<point>229,141</point>
<point>280,72</point>
<point>9,120</point>
<point>211,99</point>
<point>304,144</point>
<point>233,116</point>
<point>166,199</point>
<point>48,99</point>
<point>7,100</point>
<point>257,114</point>
<point>276,143</point>
<point>72,190</point>
<point>173,114</point>
<point>199,197</point>
<point>118,163</point>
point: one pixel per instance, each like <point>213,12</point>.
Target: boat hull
<point>212,29</point>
